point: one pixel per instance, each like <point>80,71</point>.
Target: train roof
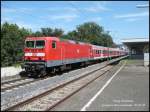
<point>70,41</point>
<point>98,47</point>
<point>74,42</point>
<point>42,38</point>
<point>102,47</point>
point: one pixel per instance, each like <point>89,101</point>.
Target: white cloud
<point>67,17</point>
<point>30,11</point>
<point>65,9</point>
<point>142,14</point>
<point>132,19</point>
<point>98,7</point>
<point>17,10</point>
<point>94,19</point>
<point>92,6</point>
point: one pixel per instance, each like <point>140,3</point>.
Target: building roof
<point>135,40</point>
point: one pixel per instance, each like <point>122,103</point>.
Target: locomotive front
<point>34,56</point>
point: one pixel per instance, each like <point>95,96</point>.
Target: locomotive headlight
<point>28,54</point>
<point>34,54</point>
<point>40,54</point>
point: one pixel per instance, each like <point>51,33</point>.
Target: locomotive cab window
<point>53,44</point>
<point>29,44</point>
<point>40,44</point>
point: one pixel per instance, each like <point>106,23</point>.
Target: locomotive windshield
<point>40,44</point>
<point>30,44</point>
<point>35,44</point>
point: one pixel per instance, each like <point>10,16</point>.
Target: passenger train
<point>43,54</point>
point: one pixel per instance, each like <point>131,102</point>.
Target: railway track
<point>16,83</point>
<point>50,98</point>
<point>11,81</point>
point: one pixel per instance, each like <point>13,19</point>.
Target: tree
<point>107,40</point>
<point>37,34</point>
<point>90,32</point>
<point>72,35</point>
<point>46,31</point>
<point>57,32</point>
<point>12,43</point>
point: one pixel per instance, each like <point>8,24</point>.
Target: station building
<point>138,48</point>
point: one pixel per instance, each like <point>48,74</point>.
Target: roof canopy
<point>135,40</point>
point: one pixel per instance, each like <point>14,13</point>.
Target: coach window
<point>96,51</point>
<point>53,44</point>
<point>110,52</point>
<point>104,51</point>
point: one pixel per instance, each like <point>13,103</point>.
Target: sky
<point>121,18</point>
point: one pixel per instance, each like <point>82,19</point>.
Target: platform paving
<point>127,91</point>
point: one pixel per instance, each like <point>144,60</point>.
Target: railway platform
<point>124,88</point>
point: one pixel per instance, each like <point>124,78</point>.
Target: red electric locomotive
<point>50,53</point>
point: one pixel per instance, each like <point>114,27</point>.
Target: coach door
<point>91,53</point>
<point>62,54</point>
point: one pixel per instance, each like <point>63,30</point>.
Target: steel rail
<point>17,85</point>
<point>10,81</point>
<point>23,83</point>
